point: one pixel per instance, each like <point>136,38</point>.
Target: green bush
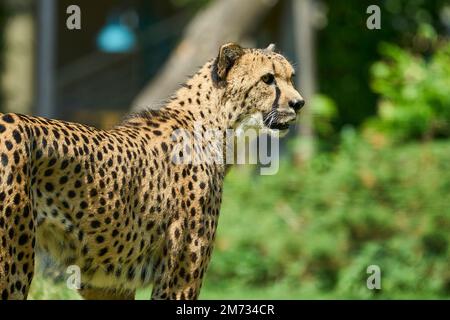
<point>415,101</point>
<point>314,230</point>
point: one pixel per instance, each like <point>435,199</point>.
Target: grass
<point>47,289</point>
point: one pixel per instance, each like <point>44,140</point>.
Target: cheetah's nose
<point>296,104</point>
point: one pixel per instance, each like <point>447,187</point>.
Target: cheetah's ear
<point>228,55</point>
<point>270,47</point>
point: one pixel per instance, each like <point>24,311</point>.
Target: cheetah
<point>113,203</point>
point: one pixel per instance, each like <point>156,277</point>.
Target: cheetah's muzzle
<point>279,120</point>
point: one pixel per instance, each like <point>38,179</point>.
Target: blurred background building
<point>89,83</point>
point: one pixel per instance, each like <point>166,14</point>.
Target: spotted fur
<point>112,202</point>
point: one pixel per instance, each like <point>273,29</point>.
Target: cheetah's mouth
<point>281,121</point>
<point>279,126</point>
<point>271,123</point>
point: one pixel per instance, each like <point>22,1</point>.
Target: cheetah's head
<point>258,84</point>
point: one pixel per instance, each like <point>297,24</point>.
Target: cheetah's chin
<point>283,132</point>
<point>256,122</point>
<point>280,133</point>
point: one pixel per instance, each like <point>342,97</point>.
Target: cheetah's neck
<point>205,101</point>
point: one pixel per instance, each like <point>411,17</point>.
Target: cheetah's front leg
<point>181,286</point>
<point>179,277</point>
<point>17,219</point>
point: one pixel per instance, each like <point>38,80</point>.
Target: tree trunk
<point>304,34</point>
<point>16,81</point>
<point>221,22</point>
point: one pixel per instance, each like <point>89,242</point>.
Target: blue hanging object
<point>116,38</point>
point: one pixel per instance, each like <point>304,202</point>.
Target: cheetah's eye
<point>268,78</point>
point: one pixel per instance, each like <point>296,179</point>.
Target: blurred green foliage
<point>346,49</point>
<point>414,90</point>
<point>314,230</point>
<point>324,111</point>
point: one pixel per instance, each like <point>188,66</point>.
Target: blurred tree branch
<point>220,22</point>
